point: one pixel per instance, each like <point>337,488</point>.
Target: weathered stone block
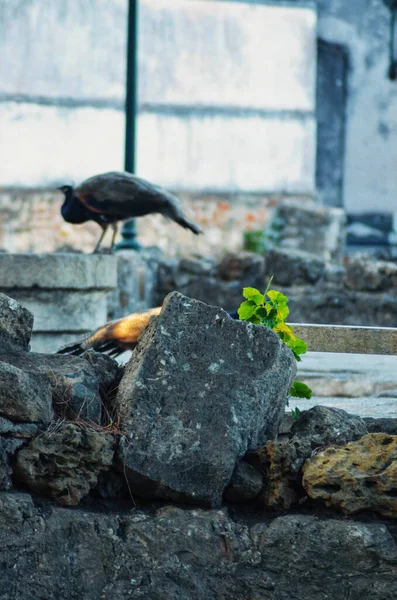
<point>199,392</point>
<point>65,463</point>
<point>15,325</point>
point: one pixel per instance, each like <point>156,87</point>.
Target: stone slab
<point>57,271</point>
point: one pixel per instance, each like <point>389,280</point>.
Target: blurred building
<point>241,104</point>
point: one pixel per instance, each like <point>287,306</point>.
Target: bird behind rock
<point>119,196</point>
<point>116,337</point>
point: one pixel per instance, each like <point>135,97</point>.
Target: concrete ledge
<point>55,310</point>
<point>348,339</point>
<point>57,271</point>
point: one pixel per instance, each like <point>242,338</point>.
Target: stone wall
<point>281,508</point>
<point>30,221</point>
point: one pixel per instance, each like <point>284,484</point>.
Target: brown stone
<point>281,462</point>
<point>359,476</point>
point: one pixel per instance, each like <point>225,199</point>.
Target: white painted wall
<point>219,57</point>
<point>363,27</point>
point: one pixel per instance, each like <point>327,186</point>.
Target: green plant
<point>295,413</point>
<point>255,241</point>
<point>270,309</point>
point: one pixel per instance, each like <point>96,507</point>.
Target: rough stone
<point>282,460</point>
<point>293,267</point>
<point>8,447</point>
<point>365,274</point>
<point>324,426</point>
<point>388,426</point>
<point>245,484</point>
<point>64,463</point>
<point>77,386</point>
<point>18,430</point>
<point>198,377</point>
<point>172,553</point>
<point>359,476</point>
<point>16,325</point>
<point>24,396</point>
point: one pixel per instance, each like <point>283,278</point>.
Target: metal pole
<point>128,232</point>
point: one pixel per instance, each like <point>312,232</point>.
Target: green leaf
<point>297,357</point>
<point>295,413</point>
<point>262,312</point>
<point>254,319</point>
<point>246,310</point>
<point>300,390</point>
<point>277,298</point>
<point>299,346</point>
<point>254,295</point>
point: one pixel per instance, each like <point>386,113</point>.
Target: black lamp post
<point>128,231</point>
<point>392,5</point>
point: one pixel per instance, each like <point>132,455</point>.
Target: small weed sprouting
<point>270,309</point>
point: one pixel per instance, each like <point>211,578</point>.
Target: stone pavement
<point>359,383</point>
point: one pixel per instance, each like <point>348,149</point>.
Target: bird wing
<point>123,195</point>
<point>115,337</point>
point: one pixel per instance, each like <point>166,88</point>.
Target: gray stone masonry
<point>67,293</point>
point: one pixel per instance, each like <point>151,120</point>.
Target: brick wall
<point>30,221</point>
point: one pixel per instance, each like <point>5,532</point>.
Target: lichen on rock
<point>359,476</point>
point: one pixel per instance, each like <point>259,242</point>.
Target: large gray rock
<point>64,463</point>
<point>199,392</point>
<point>173,554</point>
<point>16,325</point>
<point>76,386</point>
